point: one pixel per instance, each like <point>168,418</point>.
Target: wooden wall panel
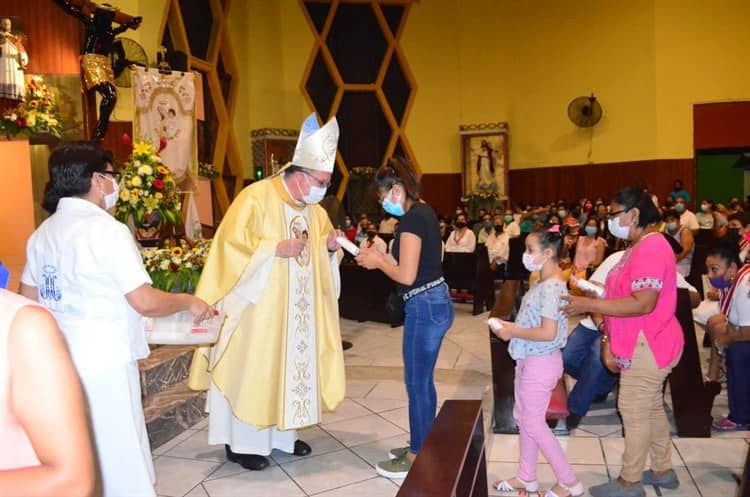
<point>545,184</point>
<point>441,191</point>
<point>113,139</point>
<point>53,37</point>
<point>573,182</point>
<point>721,125</point>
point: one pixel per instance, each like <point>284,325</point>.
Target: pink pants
<point>536,377</point>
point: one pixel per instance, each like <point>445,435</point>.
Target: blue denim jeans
<point>738,382</point>
<point>582,360</point>
<point>429,315</point>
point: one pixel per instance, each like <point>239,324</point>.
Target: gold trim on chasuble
<point>301,398</point>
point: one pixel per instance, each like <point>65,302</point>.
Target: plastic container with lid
<point>179,329</point>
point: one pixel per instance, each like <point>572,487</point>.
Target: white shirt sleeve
<point>739,313</point>
<point>123,259</point>
<point>28,277</point>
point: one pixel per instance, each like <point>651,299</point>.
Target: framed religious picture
<point>484,165</point>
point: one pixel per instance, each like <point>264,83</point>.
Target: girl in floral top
<point>642,339</point>
<point>536,337</point>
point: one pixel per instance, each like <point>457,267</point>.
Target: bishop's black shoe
<point>301,448</point>
<point>253,462</point>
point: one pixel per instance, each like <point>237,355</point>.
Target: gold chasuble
<point>278,360</point>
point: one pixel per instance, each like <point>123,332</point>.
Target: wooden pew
<point>503,367</point>
<point>691,398</point>
<point>363,293</point>
<point>452,461</point>
<point>744,487</point>
<point>460,270</point>
<point>516,246</point>
<point>484,294</point>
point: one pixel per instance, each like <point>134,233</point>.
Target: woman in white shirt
<point>85,267</point>
<point>462,239</point>
<point>497,244</point>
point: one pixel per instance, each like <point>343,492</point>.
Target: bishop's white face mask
<point>617,229</point>
<point>315,195</point>
<point>110,199</point>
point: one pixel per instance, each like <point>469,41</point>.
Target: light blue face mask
<point>391,207</point>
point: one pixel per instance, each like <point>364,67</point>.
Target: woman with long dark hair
<point>415,265</point>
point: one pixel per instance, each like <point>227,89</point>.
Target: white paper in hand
<point>495,324</point>
<point>590,287</point>
<point>347,245</point>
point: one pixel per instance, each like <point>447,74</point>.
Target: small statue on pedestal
<point>13,60</point>
<point>95,64</point>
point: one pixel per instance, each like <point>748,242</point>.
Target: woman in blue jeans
<point>416,267</point>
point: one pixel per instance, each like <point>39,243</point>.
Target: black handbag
<point>394,308</point>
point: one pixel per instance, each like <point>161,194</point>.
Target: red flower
<point>162,143</point>
<point>21,122</point>
<point>127,141</point>
<point>174,267</point>
<point>158,184</point>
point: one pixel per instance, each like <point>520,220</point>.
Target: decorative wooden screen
<point>199,28</point>
<point>358,72</point>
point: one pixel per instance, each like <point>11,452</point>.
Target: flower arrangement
<point>481,198</point>
<point>146,187</point>
<point>38,113</point>
<point>178,268</point>
<point>207,170</point>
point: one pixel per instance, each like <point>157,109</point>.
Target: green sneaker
<point>399,452</point>
<point>394,468</point>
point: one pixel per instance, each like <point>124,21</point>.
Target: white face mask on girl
<point>529,264</point>
<point>617,229</point>
<point>110,199</point>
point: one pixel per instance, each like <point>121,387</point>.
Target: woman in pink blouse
<point>645,340</point>
<point>45,442</point>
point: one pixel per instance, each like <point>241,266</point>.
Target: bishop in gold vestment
<point>278,362</point>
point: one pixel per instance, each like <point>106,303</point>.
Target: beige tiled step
<point>167,365</point>
<point>172,411</point>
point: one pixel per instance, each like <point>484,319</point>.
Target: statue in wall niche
<point>95,65</point>
<point>486,161</point>
<point>13,60</point>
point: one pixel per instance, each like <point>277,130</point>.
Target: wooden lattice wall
<point>358,72</point>
<point>199,28</point>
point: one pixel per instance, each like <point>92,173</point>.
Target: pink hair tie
<point>554,229</point>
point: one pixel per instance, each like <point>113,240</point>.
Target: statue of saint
<point>13,60</point>
<point>100,35</point>
<point>486,162</point>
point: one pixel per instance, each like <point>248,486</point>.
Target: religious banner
<point>165,115</point>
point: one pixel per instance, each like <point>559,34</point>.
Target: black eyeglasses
<point>617,213</point>
<point>114,174</point>
<point>321,184</point>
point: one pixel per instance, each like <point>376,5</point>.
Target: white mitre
<point>316,146</point>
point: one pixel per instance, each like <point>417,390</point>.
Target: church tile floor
<point>349,442</point>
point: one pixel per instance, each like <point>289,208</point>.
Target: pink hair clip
<point>554,229</point>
